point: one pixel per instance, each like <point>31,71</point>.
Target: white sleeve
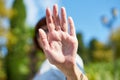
<point>79,63</point>
<point>49,72</point>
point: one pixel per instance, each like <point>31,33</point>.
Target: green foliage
<point>81,47</point>
<point>2,70</point>
<point>4,12</point>
<point>92,48</point>
<point>117,69</point>
<point>41,58</point>
<point>17,61</point>
<point>82,50</point>
<point>103,70</point>
<point>99,51</point>
<point>115,42</point>
<point>97,72</point>
<point>20,15</point>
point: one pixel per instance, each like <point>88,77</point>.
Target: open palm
<point>59,46</point>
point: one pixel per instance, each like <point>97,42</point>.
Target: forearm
<point>75,74</point>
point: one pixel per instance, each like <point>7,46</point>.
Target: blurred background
<point>97,25</point>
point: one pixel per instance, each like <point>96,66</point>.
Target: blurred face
<point>45,30</point>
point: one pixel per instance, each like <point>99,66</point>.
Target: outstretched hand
<point>59,44</point>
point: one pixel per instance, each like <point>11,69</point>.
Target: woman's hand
<point>60,44</point>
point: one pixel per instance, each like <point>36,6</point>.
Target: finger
<point>43,40</point>
<point>49,20</point>
<point>72,28</point>
<point>63,20</point>
<point>56,17</point>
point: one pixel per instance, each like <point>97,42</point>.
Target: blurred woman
<point>60,47</point>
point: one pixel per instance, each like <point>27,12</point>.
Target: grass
<point>103,70</point>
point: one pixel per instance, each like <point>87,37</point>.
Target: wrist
<point>74,74</point>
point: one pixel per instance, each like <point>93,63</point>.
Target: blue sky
<point>85,13</point>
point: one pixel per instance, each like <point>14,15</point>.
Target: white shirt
<point>51,72</point>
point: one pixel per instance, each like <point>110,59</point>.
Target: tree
<point>16,60</point>
<point>99,51</point>
<point>82,50</point>
<point>4,13</point>
<point>115,42</point>
<point>92,48</point>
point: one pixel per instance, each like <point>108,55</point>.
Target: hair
<point>41,22</point>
